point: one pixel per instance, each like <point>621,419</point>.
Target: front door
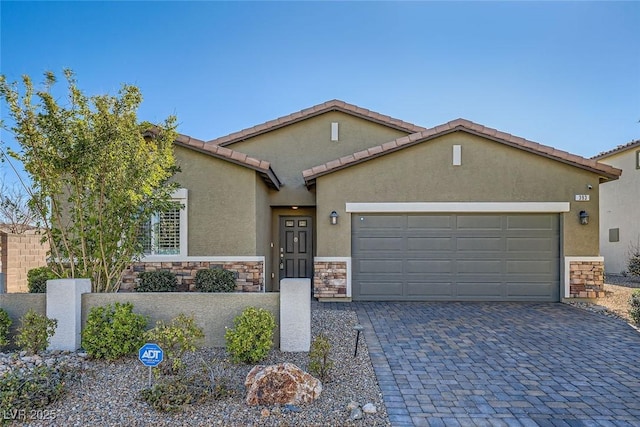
<point>295,249</point>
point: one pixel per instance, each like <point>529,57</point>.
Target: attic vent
<point>334,131</point>
<point>457,155</point>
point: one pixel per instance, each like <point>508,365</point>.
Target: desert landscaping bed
<point>107,393</point>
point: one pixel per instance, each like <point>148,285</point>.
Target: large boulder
<point>281,384</point>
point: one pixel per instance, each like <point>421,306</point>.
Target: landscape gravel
<point>107,393</point>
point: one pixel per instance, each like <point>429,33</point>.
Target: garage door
<point>463,257</point>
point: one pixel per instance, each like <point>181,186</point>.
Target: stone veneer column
<point>331,280</point>
<point>585,276</point>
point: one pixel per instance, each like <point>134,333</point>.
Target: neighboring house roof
<point>333,105</point>
<point>618,149</point>
<point>457,125</point>
<point>261,166</point>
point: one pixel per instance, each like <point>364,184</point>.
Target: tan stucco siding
<point>490,172</point>
<point>222,205</point>
<point>619,207</point>
<point>308,143</point>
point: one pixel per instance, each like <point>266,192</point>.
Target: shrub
<point>634,302</point>
<point>215,280</point>
<point>32,388</point>
<point>175,338</point>
<point>113,331</point>
<point>37,279</point>
<point>319,361</point>
<point>171,394</point>
<point>5,324</point>
<point>252,336</point>
<point>35,332</point>
<point>157,281</point>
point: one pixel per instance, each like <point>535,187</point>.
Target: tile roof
<point>333,105</point>
<point>618,149</point>
<point>603,170</point>
<point>261,166</point>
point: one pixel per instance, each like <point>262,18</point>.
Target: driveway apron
<point>511,364</point>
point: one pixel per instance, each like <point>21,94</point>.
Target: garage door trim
<point>458,207</point>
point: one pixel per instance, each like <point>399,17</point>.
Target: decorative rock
<point>369,408</point>
<point>356,414</point>
<point>352,405</point>
<point>282,384</point>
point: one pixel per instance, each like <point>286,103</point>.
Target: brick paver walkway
<point>510,364</point>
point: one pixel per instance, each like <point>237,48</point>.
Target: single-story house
<point>370,207</point>
<point>619,207</point>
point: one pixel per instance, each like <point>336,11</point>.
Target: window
<point>614,234</point>
<point>165,233</point>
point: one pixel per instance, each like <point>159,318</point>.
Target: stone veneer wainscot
<point>249,274</point>
<point>586,279</point>
<point>330,279</point>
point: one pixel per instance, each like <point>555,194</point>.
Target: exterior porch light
<point>333,217</point>
<point>584,217</point>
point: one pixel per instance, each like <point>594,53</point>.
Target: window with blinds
<point>160,235</point>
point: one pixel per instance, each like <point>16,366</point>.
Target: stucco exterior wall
<point>490,172</point>
<point>308,143</point>
<point>222,205</point>
<point>263,224</point>
<point>619,208</point>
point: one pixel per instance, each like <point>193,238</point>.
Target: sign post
<point>150,355</point>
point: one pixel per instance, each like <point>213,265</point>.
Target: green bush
<point>252,336</point>
<point>32,388</point>
<point>633,264</point>
<point>175,338</point>
<point>319,361</point>
<point>113,331</point>
<point>37,279</point>
<point>215,280</point>
<point>5,324</point>
<point>634,302</point>
<point>157,281</point>
<point>35,332</point>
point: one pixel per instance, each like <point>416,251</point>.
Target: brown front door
<point>295,249</point>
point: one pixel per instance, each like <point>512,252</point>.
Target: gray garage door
<point>456,257</point>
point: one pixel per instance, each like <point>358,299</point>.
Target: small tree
<point>97,173</point>
<point>15,213</point>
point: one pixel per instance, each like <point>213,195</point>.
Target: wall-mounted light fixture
<point>584,217</point>
<point>333,218</point>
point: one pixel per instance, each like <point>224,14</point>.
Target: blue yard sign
<point>150,354</point>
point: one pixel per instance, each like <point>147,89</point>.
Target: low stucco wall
<point>17,305</point>
<point>213,312</point>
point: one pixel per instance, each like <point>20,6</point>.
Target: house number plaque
<point>582,197</point>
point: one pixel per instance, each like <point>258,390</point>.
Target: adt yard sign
<point>150,354</point>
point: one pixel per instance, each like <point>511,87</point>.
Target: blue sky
<point>565,74</point>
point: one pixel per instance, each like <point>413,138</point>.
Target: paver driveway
<point>477,364</point>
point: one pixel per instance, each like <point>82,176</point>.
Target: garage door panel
<point>530,222</point>
<point>528,290</point>
<point>382,221</point>
<point>377,289</point>
<point>380,243</point>
<point>487,257</point>
<point>524,244</point>
<point>380,266</point>
<point>473,290</point>
<point>431,222</point>
<point>430,243</point>
<point>481,266</point>
<point>480,244</point>
<point>530,267</point>
<point>437,289</point>
<point>427,266</point>
<point>479,222</point>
